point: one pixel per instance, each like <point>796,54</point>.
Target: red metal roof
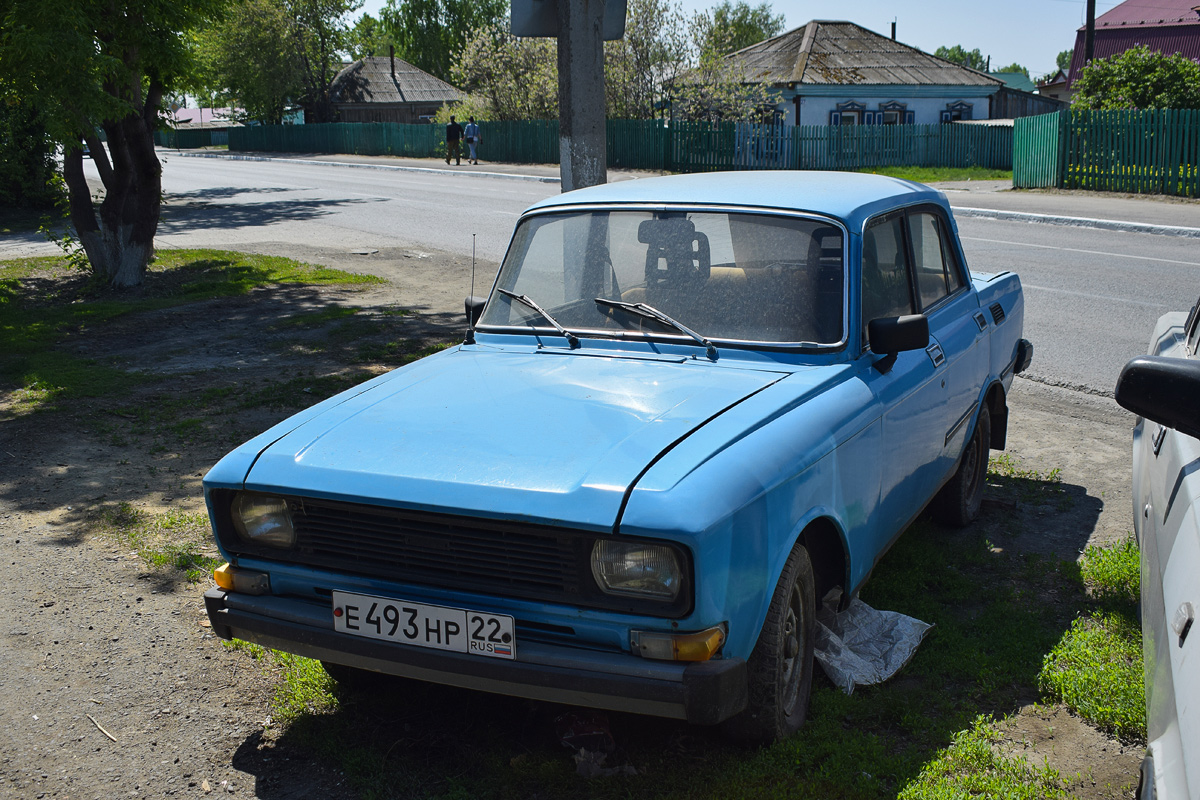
<point>1149,13</point>
<point>1166,26</point>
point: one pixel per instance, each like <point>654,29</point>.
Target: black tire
<point>958,503</point>
<point>779,672</point>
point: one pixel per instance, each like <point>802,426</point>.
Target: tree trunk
<point>118,236</point>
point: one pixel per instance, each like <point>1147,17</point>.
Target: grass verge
<point>174,542</point>
<point>45,307</point>
<point>935,174</point>
<point>1097,667</point>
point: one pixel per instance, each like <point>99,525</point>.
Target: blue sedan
<point>690,408</point>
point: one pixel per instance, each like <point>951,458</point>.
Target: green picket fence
<point>662,145</point>
<point>1153,152</point>
<point>191,138</point>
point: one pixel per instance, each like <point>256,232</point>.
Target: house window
<point>848,113</point>
<point>893,113</point>
<point>956,111</point>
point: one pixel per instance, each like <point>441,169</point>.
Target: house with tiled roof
<point>1165,26</point>
<point>840,73</point>
<point>388,89</point>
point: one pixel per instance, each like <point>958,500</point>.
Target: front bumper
<point>703,693</point>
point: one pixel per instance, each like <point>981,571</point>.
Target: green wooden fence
<point>1037,151</point>
<point>1156,152</point>
<point>661,145</point>
<point>191,138</point>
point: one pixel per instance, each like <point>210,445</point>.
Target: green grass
<point>1097,666</point>
<point>44,305</point>
<point>175,542</point>
<point>972,767</point>
<point>935,174</point>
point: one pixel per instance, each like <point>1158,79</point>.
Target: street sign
<point>540,18</point>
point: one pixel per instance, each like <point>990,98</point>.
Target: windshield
<point>727,276</point>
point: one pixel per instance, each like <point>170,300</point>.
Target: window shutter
<point>835,118</point>
<point>945,116</point>
<point>910,117</point>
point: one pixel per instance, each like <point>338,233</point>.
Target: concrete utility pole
<point>581,130</point>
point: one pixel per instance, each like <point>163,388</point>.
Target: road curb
<point>1078,222</point>
<point>385,167</point>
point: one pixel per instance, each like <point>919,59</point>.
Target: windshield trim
<point>700,208</point>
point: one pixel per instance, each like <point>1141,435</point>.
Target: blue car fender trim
<point>702,693</point>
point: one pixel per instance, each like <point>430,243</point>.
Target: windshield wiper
<point>572,339</point>
<point>650,312</point>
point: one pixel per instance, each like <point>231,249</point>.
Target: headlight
<point>262,519</point>
<point>635,569</point>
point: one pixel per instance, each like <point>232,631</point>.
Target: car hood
<point>545,436</point>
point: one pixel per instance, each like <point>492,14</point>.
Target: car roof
<point>852,197</point>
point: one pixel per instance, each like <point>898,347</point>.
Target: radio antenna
<point>471,298</point>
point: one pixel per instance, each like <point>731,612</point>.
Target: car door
<point>909,391</point>
<point>957,328</point>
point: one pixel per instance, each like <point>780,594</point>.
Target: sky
<point>1030,32</point>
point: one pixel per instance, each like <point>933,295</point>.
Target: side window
<point>933,259</point>
<point>886,287</point>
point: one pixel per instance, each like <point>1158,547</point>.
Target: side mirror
<point>474,307</point>
<point>891,335</point>
<point>1165,390</point>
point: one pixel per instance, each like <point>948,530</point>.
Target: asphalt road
<point>1092,296</point>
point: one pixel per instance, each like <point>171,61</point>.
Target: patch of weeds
<point>304,688</point>
<point>1096,668</point>
<point>1113,574</point>
<point>973,767</point>
<point>934,174</point>
<point>175,541</point>
<point>1028,485</point>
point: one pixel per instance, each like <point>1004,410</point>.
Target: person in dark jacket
<point>454,134</point>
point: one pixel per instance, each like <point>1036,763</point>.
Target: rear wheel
<point>958,503</point>
<point>779,671</point>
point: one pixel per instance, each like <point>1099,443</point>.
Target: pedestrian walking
<point>454,133</point>
<point>472,134</point>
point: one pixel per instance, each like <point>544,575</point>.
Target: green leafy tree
<point>250,60</point>
<point>1138,78</point>
<point>1014,67</point>
<point>1064,59</point>
<point>367,38</point>
<point>27,163</point>
<point>506,77</point>
<point>641,69</point>
<point>730,26</point>
<point>319,32</point>
<point>959,55</point>
<point>267,54</point>
<point>715,90</point>
<point>432,34</point>
<point>90,65</point>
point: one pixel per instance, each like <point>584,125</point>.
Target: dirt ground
<point>113,686</point>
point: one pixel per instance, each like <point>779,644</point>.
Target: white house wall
<point>815,109</point>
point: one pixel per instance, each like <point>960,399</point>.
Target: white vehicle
<point>1164,390</point>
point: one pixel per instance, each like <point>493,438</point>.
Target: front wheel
<point>958,503</point>
<point>779,671</point>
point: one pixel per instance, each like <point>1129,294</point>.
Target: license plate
<point>437,627</point>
